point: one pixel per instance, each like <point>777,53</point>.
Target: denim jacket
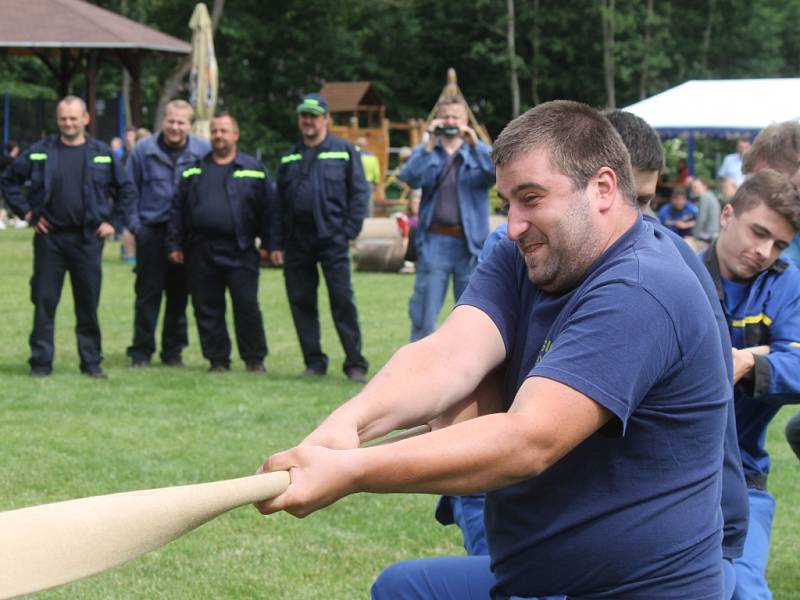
<point>475,178</point>
<point>156,179</point>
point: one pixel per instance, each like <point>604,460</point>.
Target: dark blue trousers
<point>79,253</point>
<point>302,253</point>
<point>157,277</point>
<point>213,266</point>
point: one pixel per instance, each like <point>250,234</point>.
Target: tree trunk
<point>512,58</point>
<point>535,43</point>
<point>706,45</point>
<point>644,75</point>
<point>607,14</point>
<point>172,84</point>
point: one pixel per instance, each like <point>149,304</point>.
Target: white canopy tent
<point>720,108</point>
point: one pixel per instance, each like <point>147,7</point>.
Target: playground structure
<point>358,111</point>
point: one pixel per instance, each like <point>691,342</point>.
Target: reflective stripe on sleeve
<point>250,174</point>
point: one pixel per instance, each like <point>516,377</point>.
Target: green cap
<point>313,104</point>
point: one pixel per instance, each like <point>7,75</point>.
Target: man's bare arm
<point>419,383</point>
<point>546,421</point>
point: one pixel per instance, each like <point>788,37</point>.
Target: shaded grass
<point>68,436</point>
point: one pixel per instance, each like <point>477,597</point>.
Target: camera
<point>447,130</point>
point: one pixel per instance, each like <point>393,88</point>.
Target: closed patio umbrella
<point>204,77</point>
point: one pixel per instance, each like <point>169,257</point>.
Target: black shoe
<point>173,361</point>
<point>310,373</point>
<point>357,375</point>
<point>96,373</point>
<point>40,372</point>
<point>139,363</point>
<point>219,368</point>
<point>256,367</point>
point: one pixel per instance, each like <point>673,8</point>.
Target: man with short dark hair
<point>223,203</point>
<point>323,199</point>
<point>647,160</point>
<point>155,165</point>
<point>598,327</point>
<point>760,296</point>
<point>73,179</point>
<point>455,171</point>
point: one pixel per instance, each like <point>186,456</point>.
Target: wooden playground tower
<point>358,111</point>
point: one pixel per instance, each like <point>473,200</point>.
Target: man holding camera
<point>455,171</point>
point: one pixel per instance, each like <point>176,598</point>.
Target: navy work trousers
<point>213,265</point>
<point>303,251</point>
<point>78,252</point>
<point>157,277</point>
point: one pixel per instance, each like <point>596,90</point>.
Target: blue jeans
<point>441,578</point>
<point>439,257</point>
<point>751,568</point>
<point>467,513</point>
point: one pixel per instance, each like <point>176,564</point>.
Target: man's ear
<point>726,216</point>
<point>606,184</point>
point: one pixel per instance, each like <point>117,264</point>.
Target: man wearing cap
<point>455,171</point>
<point>323,198</point>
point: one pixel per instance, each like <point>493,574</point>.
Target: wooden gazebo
<point>71,35</point>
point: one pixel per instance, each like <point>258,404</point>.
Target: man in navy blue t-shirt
<point>604,457</point>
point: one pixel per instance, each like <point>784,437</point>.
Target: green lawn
<point>68,436</point>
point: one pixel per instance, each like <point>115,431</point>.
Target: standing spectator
<point>455,171</point>
<point>73,178</point>
<point>760,296</point>
<point>679,216</point>
<point>223,203</point>
<point>708,210</point>
<point>155,166</point>
<point>731,167</point>
<point>323,199</point>
<point>11,152</point>
<point>372,171</point>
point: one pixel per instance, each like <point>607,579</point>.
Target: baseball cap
<point>313,104</point>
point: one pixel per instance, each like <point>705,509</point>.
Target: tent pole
<point>690,153</point>
<point>6,120</point>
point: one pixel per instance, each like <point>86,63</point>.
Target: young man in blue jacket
<point>455,171</point>
<point>760,296</point>
<point>76,184</point>
<point>155,166</point>
<point>224,202</point>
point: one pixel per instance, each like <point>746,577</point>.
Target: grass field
<point>68,436</point>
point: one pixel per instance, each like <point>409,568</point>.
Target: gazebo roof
<point>77,24</point>
<point>348,96</point>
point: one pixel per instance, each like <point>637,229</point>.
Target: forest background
<point>509,55</point>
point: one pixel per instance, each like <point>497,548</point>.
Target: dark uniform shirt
<point>305,194</point>
<point>67,208</point>
<point>212,214</point>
